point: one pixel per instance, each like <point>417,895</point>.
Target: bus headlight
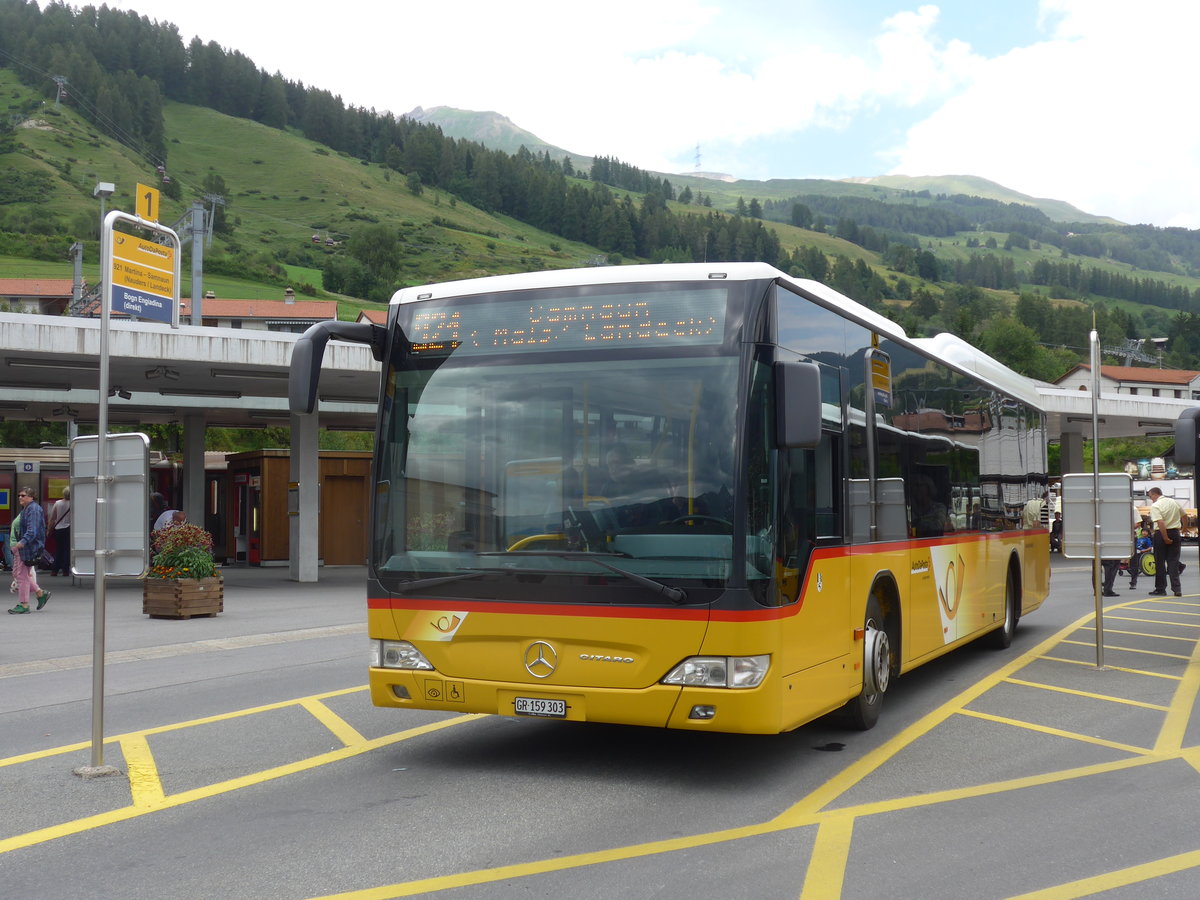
<point>397,655</point>
<point>720,671</point>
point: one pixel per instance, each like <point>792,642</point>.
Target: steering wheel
<point>699,518</point>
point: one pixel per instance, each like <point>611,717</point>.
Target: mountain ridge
<point>498,132</point>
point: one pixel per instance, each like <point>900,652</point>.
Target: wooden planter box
<point>183,598</point>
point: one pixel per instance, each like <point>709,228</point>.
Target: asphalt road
<point>251,765</point>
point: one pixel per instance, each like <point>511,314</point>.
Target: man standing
<point>1166,517</point>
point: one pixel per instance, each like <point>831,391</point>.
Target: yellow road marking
<point>1082,662</point>
<point>1085,887</point>
<point>342,729</point>
<point>223,787</point>
<point>1170,736</point>
<point>1062,690</point>
<point>522,870</point>
<point>176,726</point>
<point>1108,616</point>
<point>1056,732</point>
<point>1146,634</point>
<point>830,854</point>
<point>144,784</point>
<point>1108,646</point>
<point>871,761</point>
<point>1176,603</point>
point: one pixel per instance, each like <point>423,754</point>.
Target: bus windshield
<point>586,472</point>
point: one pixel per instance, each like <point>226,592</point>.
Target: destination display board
<point>143,278</point>
<point>657,317</point>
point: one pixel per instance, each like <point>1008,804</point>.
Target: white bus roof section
<point>557,278</point>
<point>956,352</point>
<point>49,368</point>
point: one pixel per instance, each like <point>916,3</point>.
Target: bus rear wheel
<point>1002,637</point>
<point>863,711</point>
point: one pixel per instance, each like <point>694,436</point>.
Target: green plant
<point>182,551</point>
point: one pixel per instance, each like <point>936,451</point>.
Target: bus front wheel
<point>863,711</point>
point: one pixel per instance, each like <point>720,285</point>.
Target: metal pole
<point>102,480</point>
<point>1094,340</point>
<point>197,227</point>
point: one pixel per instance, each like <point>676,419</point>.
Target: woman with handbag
<point>28,549</point>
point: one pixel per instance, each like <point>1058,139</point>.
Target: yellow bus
<point>704,496</point>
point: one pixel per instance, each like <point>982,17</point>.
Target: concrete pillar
<point>304,499</point>
<point>1071,451</point>
<point>193,468</point>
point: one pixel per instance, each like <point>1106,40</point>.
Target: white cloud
<point>660,105</point>
<point>1099,114</point>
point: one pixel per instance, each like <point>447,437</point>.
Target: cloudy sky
<point>1088,101</point>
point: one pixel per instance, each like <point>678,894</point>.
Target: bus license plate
<point>538,706</point>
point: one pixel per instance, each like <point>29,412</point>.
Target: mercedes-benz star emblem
<point>540,659</point>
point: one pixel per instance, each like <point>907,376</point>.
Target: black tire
<point>862,712</point>
<point>1002,637</point>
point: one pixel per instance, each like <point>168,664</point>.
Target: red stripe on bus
<point>764,614</point>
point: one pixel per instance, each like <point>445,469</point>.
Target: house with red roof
<point>1137,381</point>
<point>374,316</point>
<point>45,296</point>
<point>288,314</point>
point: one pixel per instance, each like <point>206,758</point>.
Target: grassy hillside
<point>281,189</point>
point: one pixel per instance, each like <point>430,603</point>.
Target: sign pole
<point>1094,344</point>
<point>148,282</point>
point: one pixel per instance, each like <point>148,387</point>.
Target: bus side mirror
<point>305,370</point>
<point>1187,436</point>
<point>797,404</point>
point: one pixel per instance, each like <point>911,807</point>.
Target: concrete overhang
<point>49,370</point>
<point>1121,415</point>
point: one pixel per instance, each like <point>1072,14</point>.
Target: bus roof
<point>528,281</point>
<point>945,347</point>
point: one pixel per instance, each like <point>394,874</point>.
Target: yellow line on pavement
<point>343,730</point>
<point>540,867</point>
<point>144,784</point>
<point>173,800</point>
<point>1092,665</point>
<point>1170,736</point>
<point>175,726</point>
<point>1131,649</point>
<point>1145,634</point>
<point>830,855</point>
<point>1086,887</point>
<point>855,772</point>
<point>1056,732</point>
<point>1108,616</point>
<point>1062,690</point>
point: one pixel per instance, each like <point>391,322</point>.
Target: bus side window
<point>809,510</point>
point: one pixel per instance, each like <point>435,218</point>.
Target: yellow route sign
<point>143,277</point>
<point>146,202</point>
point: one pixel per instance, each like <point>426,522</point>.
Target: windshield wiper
<point>674,594</point>
<point>406,586</point>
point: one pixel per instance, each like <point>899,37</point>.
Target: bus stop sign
<point>126,537</point>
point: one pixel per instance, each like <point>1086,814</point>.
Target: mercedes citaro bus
<point>703,496</point>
